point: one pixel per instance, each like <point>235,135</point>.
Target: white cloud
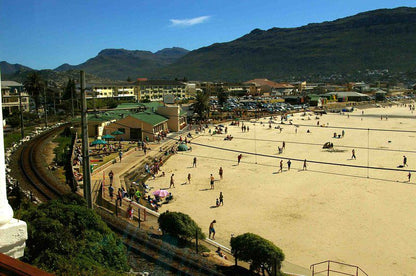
<point>189,22</point>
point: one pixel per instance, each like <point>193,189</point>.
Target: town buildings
<point>10,97</point>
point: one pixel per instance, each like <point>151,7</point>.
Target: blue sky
<point>47,33</point>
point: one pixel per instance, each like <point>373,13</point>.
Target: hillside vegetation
<point>381,39</point>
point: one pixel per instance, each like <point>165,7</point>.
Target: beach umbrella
<point>98,142</point>
<point>108,136</point>
<point>117,132</point>
<point>161,193</point>
<point>182,147</point>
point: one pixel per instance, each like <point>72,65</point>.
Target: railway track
<point>31,167</point>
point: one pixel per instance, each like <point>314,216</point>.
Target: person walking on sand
<point>120,154</point>
<point>281,166</point>
<point>353,154</point>
<point>111,176</point>
<point>194,163</point>
<point>221,172</point>
<point>409,175</point>
<point>283,145</point>
<point>212,230</point>
<point>221,199</point>
<point>288,164</point>
<point>304,165</point>
<point>172,181</point>
<point>239,158</point>
<point>212,181</point>
<point>404,161</point>
<point>189,178</point>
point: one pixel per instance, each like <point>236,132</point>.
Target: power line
<point>294,159</point>
<point>285,158</point>
<point>299,168</point>
<point>313,144</point>
<point>341,127</point>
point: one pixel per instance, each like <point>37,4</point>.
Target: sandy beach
<point>360,216</point>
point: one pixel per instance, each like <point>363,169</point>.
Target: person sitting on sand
<point>217,203</point>
<point>169,197</point>
<point>220,253</point>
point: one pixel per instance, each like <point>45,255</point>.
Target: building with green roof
<point>139,126</point>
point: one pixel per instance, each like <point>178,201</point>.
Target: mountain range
<point>379,39</point>
<point>121,63</point>
<point>7,68</point>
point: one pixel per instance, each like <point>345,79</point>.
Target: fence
<point>337,267</point>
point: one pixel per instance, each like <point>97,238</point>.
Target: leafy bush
<point>179,225</point>
<point>62,151</point>
<point>67,238</point>
<point>261,253</point>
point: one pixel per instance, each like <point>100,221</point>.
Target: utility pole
<point>94,95</point>
<point>72,97</point>
<point>54,102</point>
<point>44,106</point>
<point>85,154</point>
<point>22,127</point>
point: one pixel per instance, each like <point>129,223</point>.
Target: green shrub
<point>67,238</point>
<point>261,253</point>
<point>179,225</point>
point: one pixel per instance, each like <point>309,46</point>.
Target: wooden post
<point>72,97</point>
<point>328,269</point>
<point>22,127</point>
<point>44,106</point>
<point>139,216</point>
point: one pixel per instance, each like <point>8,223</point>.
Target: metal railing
<point>354,270</point>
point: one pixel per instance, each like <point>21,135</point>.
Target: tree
<point>34,84</point>
<point>261,253</point>
<point>179,225</point>
<point>69,90</point>
<point>201,105</point>
<point>222,96</point>
<point>67,238</point>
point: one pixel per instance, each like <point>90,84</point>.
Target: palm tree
<point>34,86</point>
<point>222,96</point>
<point>201,105</point>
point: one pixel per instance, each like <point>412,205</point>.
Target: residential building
<point>122,90</point>
<point>155,90</point>
<point>10,97</point>
<point>270,88</point>
<point>137,120</point>
<point>347,96</point>
<point>176,116</point>
<point>139,126</point>
<point>230,88</point>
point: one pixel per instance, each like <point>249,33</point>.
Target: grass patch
<point>62,149</point>
<point>14,137</point>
